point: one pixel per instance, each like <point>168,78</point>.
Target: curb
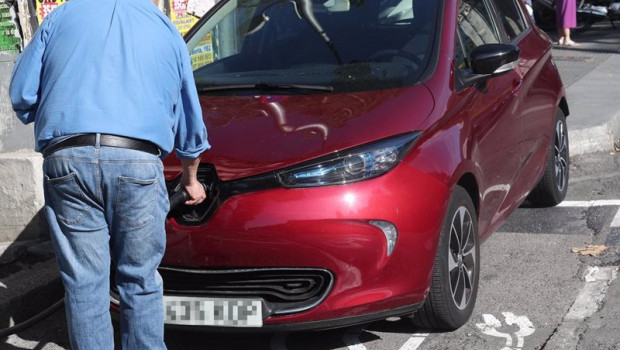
<point>599,138</point>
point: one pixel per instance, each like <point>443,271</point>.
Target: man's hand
<point>190,183</point>
<point>196,193</point>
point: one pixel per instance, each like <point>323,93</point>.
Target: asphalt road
<point>531,283</point>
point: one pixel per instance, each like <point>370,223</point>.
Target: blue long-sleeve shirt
<point>116,67</point>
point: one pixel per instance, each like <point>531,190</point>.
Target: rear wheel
<point>552,187</point>
<point>456,270</point>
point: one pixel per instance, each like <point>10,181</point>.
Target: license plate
<point>198,311</point>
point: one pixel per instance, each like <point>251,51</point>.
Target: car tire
<point>456,270</point>
<point>552,187</point>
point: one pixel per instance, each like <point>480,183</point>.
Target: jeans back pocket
<point>136,201</point>
<point>67,199</point>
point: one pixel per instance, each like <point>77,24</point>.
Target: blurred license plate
<point>197,311</point>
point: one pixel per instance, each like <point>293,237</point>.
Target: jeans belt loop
<point>97,140</point>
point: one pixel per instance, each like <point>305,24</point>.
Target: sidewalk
<point>29,280</point>
<point>591,75</point>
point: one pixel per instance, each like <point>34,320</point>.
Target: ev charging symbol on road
<point>492,324</point>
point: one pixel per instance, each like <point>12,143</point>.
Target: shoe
<point>570,43</point>
<point>561,41</point>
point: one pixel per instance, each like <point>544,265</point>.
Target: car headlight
<point>356,164</point>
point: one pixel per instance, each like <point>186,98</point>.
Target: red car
<point>362,151</point>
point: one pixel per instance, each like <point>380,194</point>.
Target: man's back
<point>112,66</point>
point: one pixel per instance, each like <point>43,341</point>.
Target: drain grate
<point>574,64</point>
<point>574,58</point>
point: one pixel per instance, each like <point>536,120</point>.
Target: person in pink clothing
<point>566,18</point>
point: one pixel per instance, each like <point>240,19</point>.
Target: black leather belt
<point>105,140</point>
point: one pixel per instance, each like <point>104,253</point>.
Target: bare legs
<point>564,37</point>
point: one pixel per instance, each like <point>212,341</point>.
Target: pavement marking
<point>414,342</point>
<point>616,221</point>
<point>491,325</point>
<point>597,279</point>
<point>526,327</point>
<point>587,204</point>
<point>352,341</point>
<point>595,203</point>
<point>591,295</point>
<point>20,343</point>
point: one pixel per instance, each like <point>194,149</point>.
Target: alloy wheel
<point>462,258</point>
<point>561,155</point>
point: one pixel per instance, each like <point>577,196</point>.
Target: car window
<point>475,26</point>
<point>460,61</point>
<point>344,44</point>
<point>511,17</point>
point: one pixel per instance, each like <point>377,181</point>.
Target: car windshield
<point>313,45</point>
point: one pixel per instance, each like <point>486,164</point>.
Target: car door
<point>494,113</point>
<point>536,100</point>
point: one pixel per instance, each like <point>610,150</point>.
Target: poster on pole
<point>9,39</point>
<point>198,8</point>
<point>179,16</point>
<point>184,14</point>
<point>45,7</point>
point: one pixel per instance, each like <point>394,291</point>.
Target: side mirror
<point>488,61</point>
<point>494,58</point>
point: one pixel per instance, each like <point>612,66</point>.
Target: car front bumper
<point>321,229</point>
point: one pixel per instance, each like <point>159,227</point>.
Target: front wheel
<point>454,284</point>
<point>552,187</point>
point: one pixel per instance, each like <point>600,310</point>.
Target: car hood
<point>252,135</point>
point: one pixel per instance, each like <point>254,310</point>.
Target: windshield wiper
<point>266,87</point>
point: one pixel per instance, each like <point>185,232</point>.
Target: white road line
<point>591,295</point>
<point>595,203</point>
<point>20,343</point>
<point>414,342</point>
<point>616,221</point>
<point>586,304</point>
<point>587,204</point>
<point>352,341</point>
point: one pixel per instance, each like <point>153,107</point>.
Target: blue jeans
<point>107,203</point>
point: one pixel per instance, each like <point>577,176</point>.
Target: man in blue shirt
<point>109,87</point>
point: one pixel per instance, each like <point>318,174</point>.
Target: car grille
<point>284,290</point>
